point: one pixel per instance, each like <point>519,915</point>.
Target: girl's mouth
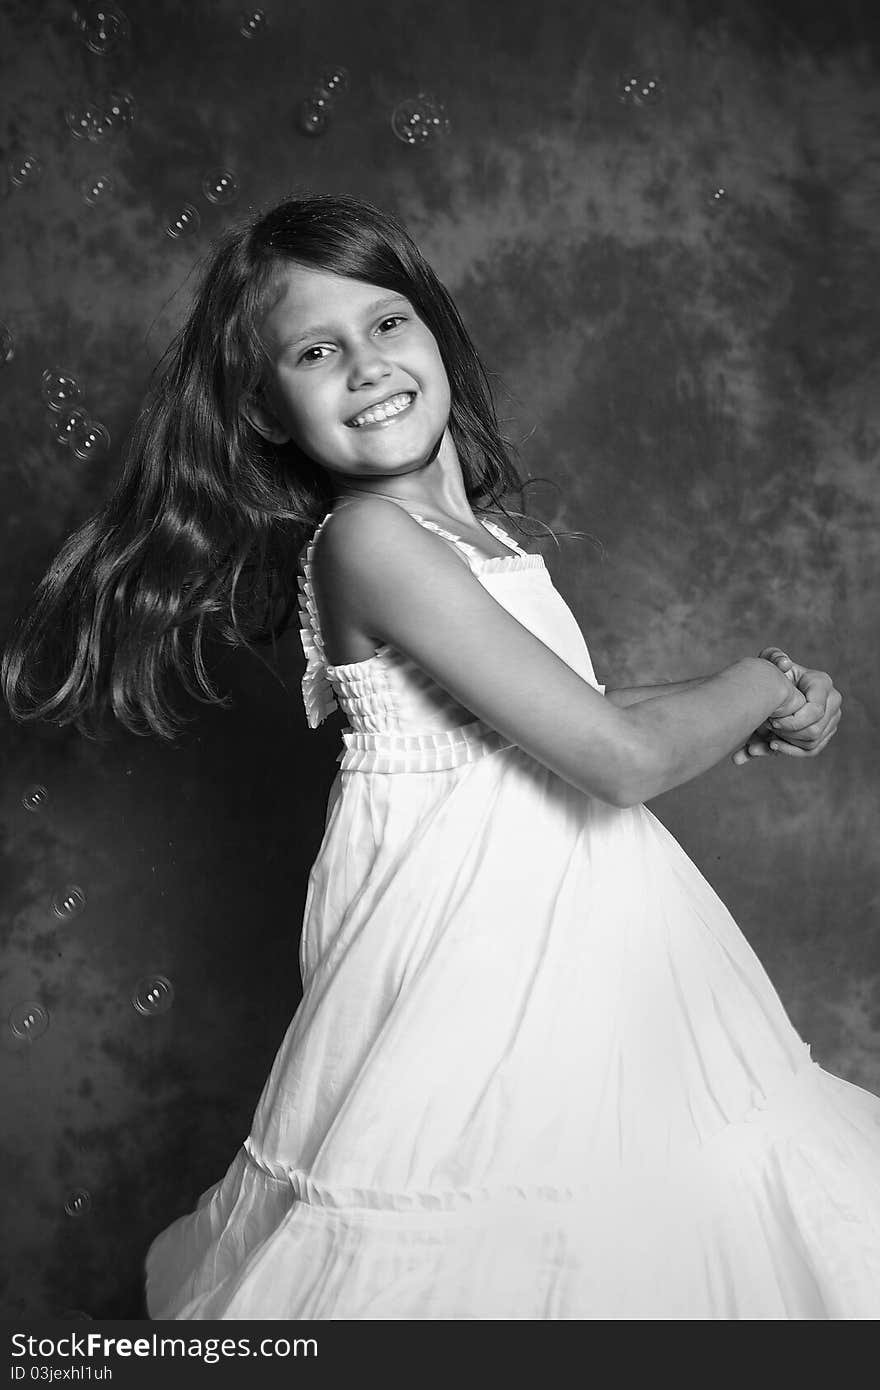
<point>383,412</point>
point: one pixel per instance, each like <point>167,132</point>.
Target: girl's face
<point>356,379</point>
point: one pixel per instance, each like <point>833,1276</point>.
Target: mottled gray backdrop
<point>696,372</point>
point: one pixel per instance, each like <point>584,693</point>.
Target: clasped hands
<point>805,723</point>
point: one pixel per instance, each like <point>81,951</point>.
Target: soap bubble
<point>118,111</point>
<point>78,1202</point>
<point>25,169</point>
<point>86,121</point>
<point>220,186</point>
<point>102,27</point>
<point>7,344</point>
<point>63,425</point>
<point>334,82</point>
<point>96,189</point>
<point>28,1020</point>
<point>153,994</point>
<point>639,90</point>
<point>69,903</point>
<point>35,798</point>
<point>252,22</point>
<point>60,389</point>
<point>419,120</point>
<point>90,439</point>
<point>313,116</point>
<point>183,221</point>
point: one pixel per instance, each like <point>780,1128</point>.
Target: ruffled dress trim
<point>318,696</point>
<point>429,752</point>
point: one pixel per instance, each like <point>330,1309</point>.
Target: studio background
<point>676,296</point>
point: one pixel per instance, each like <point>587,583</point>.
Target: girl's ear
<point>257,412</point>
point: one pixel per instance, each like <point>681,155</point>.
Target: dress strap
<point>470,551</point>
<point>502,536</point>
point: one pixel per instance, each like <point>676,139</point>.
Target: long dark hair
<point>204,528</point>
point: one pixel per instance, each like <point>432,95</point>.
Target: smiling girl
<point>537,1072</point>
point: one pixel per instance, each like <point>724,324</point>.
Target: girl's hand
<point>807,732</point>
<point>800,733</point>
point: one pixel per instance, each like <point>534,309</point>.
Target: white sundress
<point>537,1071</point>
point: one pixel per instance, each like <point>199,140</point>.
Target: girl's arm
<point>406,587</point>
<point>633,694</point>
<point>701,724</point>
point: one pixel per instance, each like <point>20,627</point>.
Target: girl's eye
<point>319,351</point>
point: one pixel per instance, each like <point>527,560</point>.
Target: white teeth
<point>393,406</point>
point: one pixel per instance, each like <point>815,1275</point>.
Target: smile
<point>384,412</point>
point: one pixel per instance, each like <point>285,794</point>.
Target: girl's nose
<point>367,366</point>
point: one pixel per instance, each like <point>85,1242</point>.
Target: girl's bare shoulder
<point>353,528</point>
<point>350,536</point>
